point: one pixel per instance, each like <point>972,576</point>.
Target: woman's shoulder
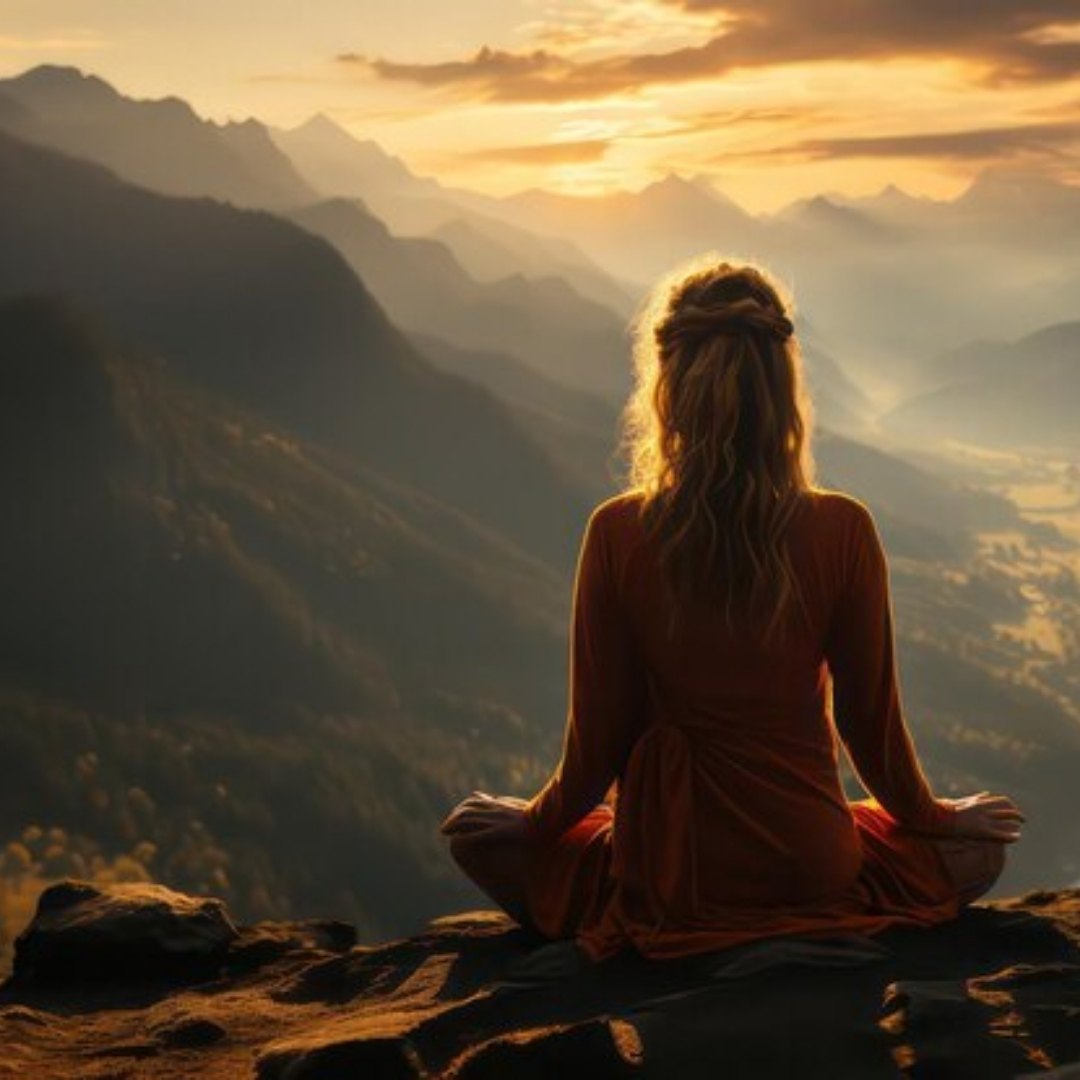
<point>837,508</point>
<point>622,504</point>
<point>825,501</point>
<point>618,517</point>
<point>831,510</point>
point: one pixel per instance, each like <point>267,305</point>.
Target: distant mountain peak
<point>678,185</point>
<point>709,185</point>
<point>822,209</point>
<point>64,86</point>
<point>894,191</point>
<point>1013,182</point>
<point>676,188</point>
<point>248,124</point>
<point>65,77</point>
<point>324,126</point>
<point>324,129</point>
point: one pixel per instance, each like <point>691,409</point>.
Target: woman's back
<point>729,797</point>
<point>754,720</point>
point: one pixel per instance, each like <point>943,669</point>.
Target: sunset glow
<point>769,102</point>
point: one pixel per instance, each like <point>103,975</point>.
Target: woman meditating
<point>730,619</point>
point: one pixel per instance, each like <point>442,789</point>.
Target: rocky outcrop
<point>137,981</point>
<point>132,930</point>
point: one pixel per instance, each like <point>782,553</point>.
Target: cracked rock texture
<point>138,981</point>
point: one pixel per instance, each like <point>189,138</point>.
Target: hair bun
<point>694,320</point>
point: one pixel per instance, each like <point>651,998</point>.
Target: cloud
<point>87,39</point>
<point>600,25</point>
<point>1004,41</point>
<point>554,153</point>
<point>725,119</point>
<point>1058,108</point>
<point>499,75</point>
<point>289,78</point>
<point>1053,139</point>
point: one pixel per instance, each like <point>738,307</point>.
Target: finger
<point>471,803</point>
<point>458,810</point>
<point>995,800</point>
<point>484,833</point>
<point>469,819</point>
<point>990,830</point>
<point>463,816</point>
<point>1008,835</point>
<point>471,828</point>
<point>1006,813</point>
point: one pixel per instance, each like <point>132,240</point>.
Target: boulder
<point>85,932</point>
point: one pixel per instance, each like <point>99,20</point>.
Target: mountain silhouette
<point>341,166</point>
<point>424,288</point>
<point>160,144</point>
<point>490,250</point>
<point>1014,395</point>
<point>647,231</point>
<point>577,429</point>
<point>257,309</point>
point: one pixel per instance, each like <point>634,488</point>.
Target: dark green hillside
<point>255,656</point>
<point>577,429</point>
<point>255,308</point>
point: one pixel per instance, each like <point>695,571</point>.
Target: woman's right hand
<point>986,817</point>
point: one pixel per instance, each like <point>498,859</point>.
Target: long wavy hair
<point>717,430</point>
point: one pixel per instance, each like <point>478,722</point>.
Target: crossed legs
<point>498,869</point>
<point>975,865</point>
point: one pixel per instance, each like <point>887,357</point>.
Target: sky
<point>772,100</point>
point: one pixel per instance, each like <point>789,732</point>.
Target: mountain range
<point>255,307</point>
<point>907,277</point>
<point>159,144</point>
<point>424,288</point>
<point>1011,395</point>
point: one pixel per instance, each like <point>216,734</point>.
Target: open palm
<point>984,816</point>
<point>483,817</point>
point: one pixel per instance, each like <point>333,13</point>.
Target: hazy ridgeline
<point>298,447</point>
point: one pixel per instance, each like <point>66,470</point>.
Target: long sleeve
<point>868,714</point>
<point>606,695</point>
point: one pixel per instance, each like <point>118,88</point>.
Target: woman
<point>730,618</point>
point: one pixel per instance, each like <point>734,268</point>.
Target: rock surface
<point>135,981</point>
<point>137,930</point>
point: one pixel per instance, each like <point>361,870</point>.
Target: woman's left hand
<point>484,817</point>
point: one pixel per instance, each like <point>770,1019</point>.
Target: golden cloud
<point>1002,41</point>
<point>553,153</point>
<point>1049,139</point>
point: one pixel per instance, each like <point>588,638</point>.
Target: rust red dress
<point>727,820</point>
